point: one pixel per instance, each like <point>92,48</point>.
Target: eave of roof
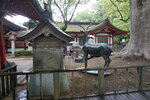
<point>75,26</point>
<point>28,8</point>
<point>31,35</point>
<point>106,24</point>
<point>12,26</point>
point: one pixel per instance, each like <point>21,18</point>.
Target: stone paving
<point>24,63</point>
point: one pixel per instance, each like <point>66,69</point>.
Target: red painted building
<point>9,26</point>
<point>74,29</point>
<point>28,8</point>
<point>103,32</point>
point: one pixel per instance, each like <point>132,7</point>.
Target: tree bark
<point>139,44</point>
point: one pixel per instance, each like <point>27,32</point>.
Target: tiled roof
<point>75,26</point>
<point>56,32</point>
<point>105,24</point>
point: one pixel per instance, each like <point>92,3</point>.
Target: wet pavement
<point>22,95</point>
<point>24,63</point>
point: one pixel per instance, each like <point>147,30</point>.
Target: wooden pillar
<point>76,39</point>
<point>24,46</point>
<point>112,41</point>
<point>101,82</point>
<point>6,45</point>
<point>13,48</point>
<point>109,40</point>
<point>2,46</point>
<point>95,38</point>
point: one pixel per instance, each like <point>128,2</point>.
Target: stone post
<point>12,38</point>
<point>48,55</point>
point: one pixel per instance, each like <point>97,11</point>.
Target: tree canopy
<point>61,10</point>
<point>118,11</point>
<point>85,16</point>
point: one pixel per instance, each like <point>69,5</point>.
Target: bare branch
<point>60,10</point>
<point>89,26</point>
<point>65,8</point>
<point>82,27</point>
<point>74,10</point>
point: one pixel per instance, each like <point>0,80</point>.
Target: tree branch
<point>82,27</point>
<point>74,10</point>
<point>122,18</point>
<point>60,10</point>
<point>120,0</point>
<point>49,2</point>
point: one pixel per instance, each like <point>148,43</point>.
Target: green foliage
<point>120,37</point>
<point>60,24</point>
<point>95,14</point>
<point>85,16</point>
<point>30,24</point>
<point>118,11</point>
<point>23,53</point>
<point>116,42</point>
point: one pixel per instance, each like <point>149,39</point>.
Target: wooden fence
<point>101,81</point>
<point>7,82</point>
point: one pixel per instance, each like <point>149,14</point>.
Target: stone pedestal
<point>47,55</point>
<point>45,87</point>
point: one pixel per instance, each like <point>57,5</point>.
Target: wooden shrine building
<point>74,29</point>
<point>103,32</point>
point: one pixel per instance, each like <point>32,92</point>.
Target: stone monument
<point>47,42</point>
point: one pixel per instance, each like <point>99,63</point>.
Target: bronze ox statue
<point>96,50</point>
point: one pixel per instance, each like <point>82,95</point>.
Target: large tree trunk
<point>139,44</point>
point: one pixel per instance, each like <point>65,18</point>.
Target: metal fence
<point>139,72</point>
